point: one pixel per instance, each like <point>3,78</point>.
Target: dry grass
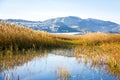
<point>100,48</point>
<point>18,37</point>
<point>105,54</point>
<point>90,38</point>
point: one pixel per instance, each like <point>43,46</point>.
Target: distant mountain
<point>69,24</point>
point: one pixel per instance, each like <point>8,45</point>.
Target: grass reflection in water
<point>98,57</point>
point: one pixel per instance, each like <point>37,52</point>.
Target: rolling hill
<point>69,24</point>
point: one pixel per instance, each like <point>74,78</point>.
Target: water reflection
<point>59,64</point>
<point>62,74</point>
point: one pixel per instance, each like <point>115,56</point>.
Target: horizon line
<point>55,18</point>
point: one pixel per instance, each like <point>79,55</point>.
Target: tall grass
<point>90,38</point>
<point>107,54</point>
<point>19,37</point>
<point>100,48</point>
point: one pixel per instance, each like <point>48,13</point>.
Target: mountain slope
<point>69,24</point>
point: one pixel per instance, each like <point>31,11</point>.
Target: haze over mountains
<point>69,24</point>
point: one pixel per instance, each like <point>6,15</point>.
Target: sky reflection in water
<point>57,67</point>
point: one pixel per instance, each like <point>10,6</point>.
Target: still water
<point>57,65</point>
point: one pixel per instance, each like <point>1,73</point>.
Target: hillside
<point>69,24</point>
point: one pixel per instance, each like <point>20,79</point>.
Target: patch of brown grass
<point>19,37</point>
<point>105,54</point>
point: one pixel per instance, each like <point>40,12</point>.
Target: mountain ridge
<point>69,24</point>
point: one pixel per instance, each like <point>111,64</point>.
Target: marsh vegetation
<point>65,56</point>
<point>18,38</point>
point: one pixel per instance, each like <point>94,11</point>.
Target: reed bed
<point>107,54</point>
<point>19,44</point>
<point>90,39</point>
<point>19,37</point>
<point>102,48</point>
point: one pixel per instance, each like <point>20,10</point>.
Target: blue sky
<point>45,9</point>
